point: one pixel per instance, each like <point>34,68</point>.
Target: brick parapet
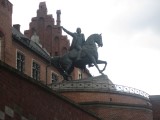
<point>121,112</point>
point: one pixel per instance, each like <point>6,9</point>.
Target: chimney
<point>17,27</point>
<point>58,17</point>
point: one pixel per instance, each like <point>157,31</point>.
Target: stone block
<point>23,118</point>
<point>2,115</point>
<point>9,111</point>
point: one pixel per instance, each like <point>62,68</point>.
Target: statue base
<point>101,82</point>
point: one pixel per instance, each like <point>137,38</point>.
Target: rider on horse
<point>77,42</point>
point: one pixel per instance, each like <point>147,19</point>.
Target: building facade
<point>30,52</point>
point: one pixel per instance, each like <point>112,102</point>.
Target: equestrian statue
<point>80,54</point>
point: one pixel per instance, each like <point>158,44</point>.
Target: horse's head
<point>95,38</point>
<point>98,40</point>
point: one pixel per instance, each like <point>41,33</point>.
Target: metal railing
<point>98,86</point>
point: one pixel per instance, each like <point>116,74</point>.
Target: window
<point>79,75</point>
<point>35,71</point>
<point>54,77</point>
<point>20,61</point>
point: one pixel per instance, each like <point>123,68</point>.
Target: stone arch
<point>48,38</point>
<point>49,29</point>
<point>41,23</point>
<point>32,31</point>
<point>56,45</point>
<point>56,40</point>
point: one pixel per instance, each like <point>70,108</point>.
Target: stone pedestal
<point>107,100</point>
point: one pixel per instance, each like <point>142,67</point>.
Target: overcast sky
<point>130,31</point>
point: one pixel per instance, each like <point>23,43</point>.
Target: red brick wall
<point>113,106</point>
<point>121,113</point>
<point>104,97</point>
<point>155,100</point>
<point>5,28</point>
<point>22,97</point>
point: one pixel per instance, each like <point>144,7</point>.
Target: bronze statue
<point>77,42</point>
<point>66,63</point>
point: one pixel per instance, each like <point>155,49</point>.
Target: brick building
<point>25,71</point>
<point>30,53</point>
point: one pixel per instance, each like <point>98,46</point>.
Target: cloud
<point>145,38</point>
<point>137,15</point>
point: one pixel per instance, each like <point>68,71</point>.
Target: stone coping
<point>99,84</point>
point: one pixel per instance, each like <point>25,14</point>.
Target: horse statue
<point>88,56</point>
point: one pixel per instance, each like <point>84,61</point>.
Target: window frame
<point>79,74</point>
<point>22,61</point>
<point>56,77</point>
<point>35,72</point>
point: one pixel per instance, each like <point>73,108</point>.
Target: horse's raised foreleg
<point>102,62</point>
